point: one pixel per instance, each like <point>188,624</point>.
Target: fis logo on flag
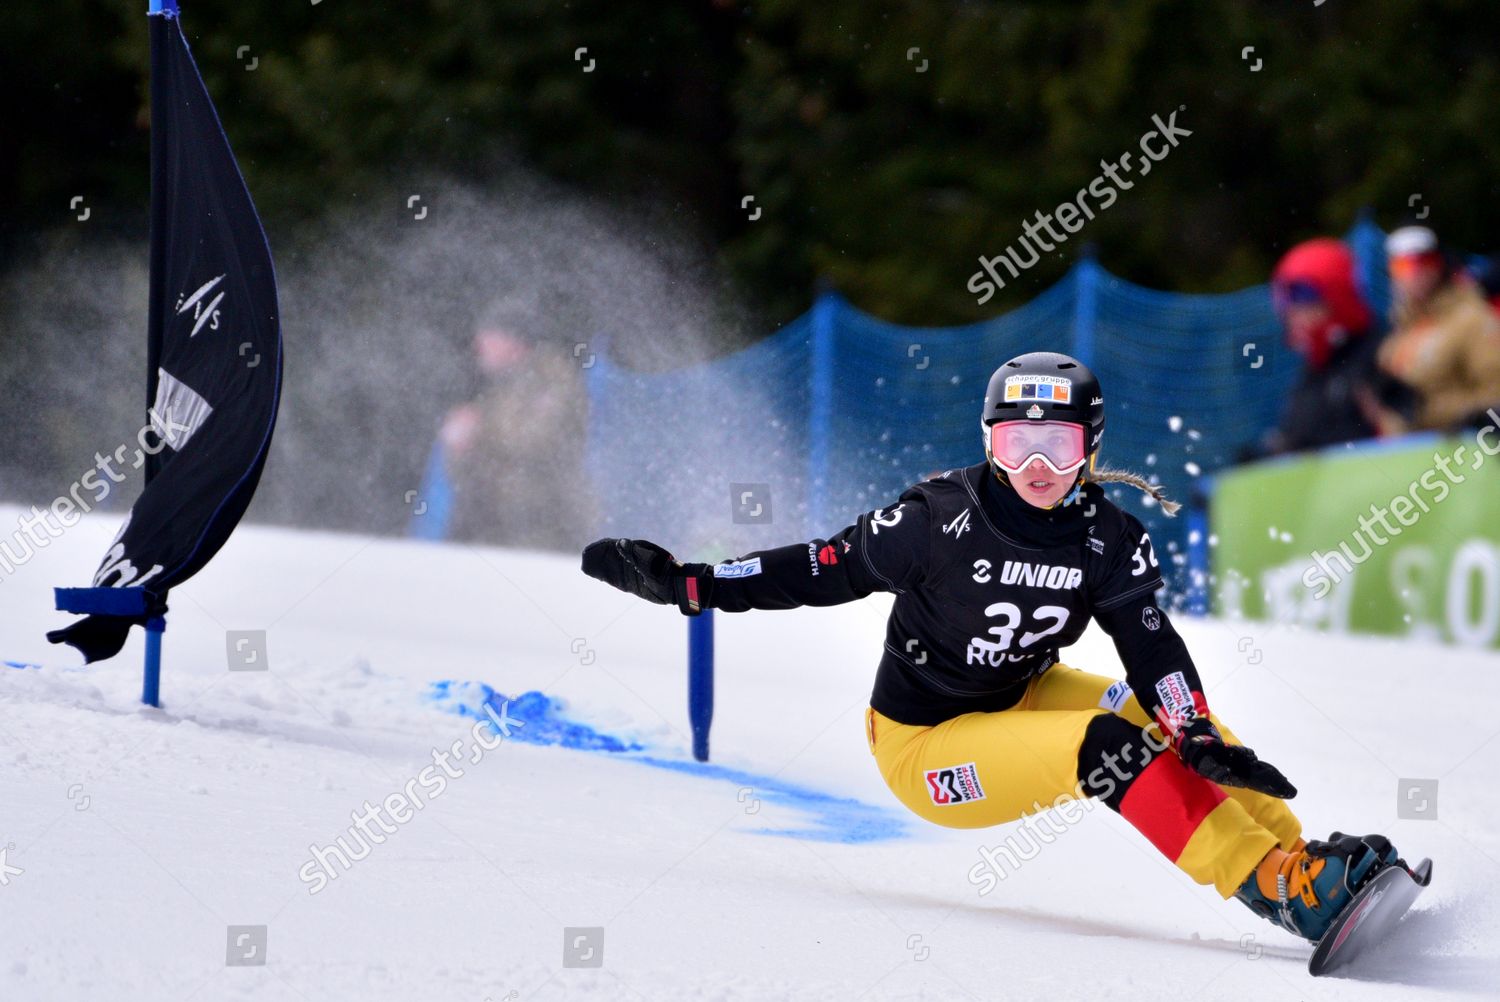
<point>956,784</point>
<point>205,311</point>
<point>1034,387</point>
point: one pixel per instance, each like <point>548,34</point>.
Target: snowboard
<point>1370,916</point>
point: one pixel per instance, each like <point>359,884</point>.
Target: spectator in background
<point>1328,324</point>
<point>1487,274</point>
<point>1445,340</point>
<point>513,454</point>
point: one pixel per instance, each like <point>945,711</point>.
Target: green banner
<point>1401,540</point>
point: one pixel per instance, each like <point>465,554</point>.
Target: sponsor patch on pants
<point>957,784</point>
<point>1115,697</point>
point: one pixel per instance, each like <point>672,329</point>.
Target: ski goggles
<point>1404,267</point>
<point>1295,293</point>
<point>1058,444</point>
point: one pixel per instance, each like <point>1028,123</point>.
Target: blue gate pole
<point>701,680</point>
<point>156,625</point>
<point>820,416</point>
<point>1085,306</point>
<point>151,685</point>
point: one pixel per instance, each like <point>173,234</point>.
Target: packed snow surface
<point>135,838</point>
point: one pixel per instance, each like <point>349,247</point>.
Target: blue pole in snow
<point>156,625</point>
<point>131,601</point>
<point>151,684</point>
<point>701,680</point>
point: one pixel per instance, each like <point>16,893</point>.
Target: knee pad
<point>1113,753</point>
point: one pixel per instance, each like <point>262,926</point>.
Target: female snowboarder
<point>974,721</point>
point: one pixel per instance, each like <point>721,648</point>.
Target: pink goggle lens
<point>1058,444</point>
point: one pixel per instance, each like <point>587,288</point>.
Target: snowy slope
<point>142,835</point>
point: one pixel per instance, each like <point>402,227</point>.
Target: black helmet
<point>1046,386</point>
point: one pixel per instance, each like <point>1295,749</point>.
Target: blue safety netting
<point>838,412</point>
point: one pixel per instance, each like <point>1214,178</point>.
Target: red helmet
<point>1321,271</point>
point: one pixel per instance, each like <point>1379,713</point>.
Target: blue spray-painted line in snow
<point>831,818</point>
<point>544,722</point>
<point>34,666</point>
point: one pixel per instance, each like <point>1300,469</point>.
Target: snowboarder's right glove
<point>640,567</point>
<point>1202,749</point>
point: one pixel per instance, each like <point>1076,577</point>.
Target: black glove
<point>642,568</point>
<point>1202,749</point>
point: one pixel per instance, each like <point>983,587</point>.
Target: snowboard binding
<point>1341,894</point>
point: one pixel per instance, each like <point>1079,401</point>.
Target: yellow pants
<point>982,769</point>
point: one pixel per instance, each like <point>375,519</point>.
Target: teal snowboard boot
<point>1305,889</point>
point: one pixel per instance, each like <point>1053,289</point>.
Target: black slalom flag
<point>213,378</point>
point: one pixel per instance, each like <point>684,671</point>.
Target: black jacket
<point>988,589</point>
<point>1322,409</point>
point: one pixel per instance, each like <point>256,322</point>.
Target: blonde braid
<point>1107,474</point>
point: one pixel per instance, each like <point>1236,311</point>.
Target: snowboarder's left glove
<point>1202,749</point>
<point>643,568</point>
